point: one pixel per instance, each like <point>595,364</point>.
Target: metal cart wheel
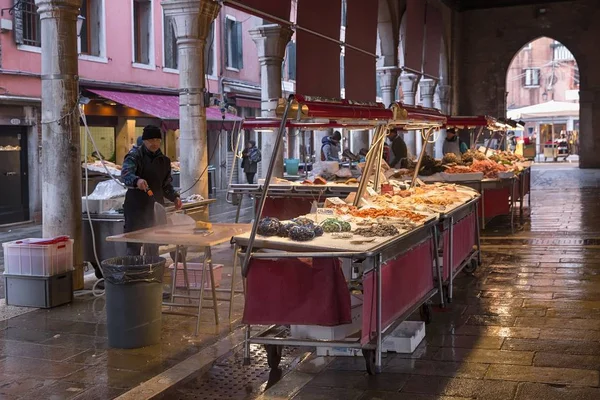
<point>471,266</point>
<point>426,313</point>
<point>274,353</point>
<point>369,356</point>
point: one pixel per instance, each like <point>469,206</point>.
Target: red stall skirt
<point>297,292</point>
<point>405,280</point>
<point>496,202</point>
<point>464,240</point>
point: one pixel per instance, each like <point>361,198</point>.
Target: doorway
<point>14,204</point>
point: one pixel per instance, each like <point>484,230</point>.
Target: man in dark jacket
<point>330,148</point>
<point>399,151</point>
<point>250,158</point>
<point>146,168</point>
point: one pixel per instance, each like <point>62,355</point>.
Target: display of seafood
<point>335,225</point>
<point>377,230</point>
<point>268,226</point>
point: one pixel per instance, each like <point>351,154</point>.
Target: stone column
<point>409,83</point>
<point>360,140</point>
<point>443,96</point>
<point>191,20</point>
<point>61,150</point>
<point>427,87</point>
<point>388,81</point>
<point>271,41</point>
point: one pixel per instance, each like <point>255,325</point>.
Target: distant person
<point>399,151</point>
<point>250,158</point>
<point>330,148</point>
<point>452,144</point>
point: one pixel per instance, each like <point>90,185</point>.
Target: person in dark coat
<point>330,147</point>
<point>250,158</point>
<point>146,168</point>
<point>399,151</point>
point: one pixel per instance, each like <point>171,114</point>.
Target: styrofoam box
<point>405,338</point>
<point>195,275</point>
<point>23,257</point>
<point>338,352</point>
<point>101,206</point>
<point>336,332</point>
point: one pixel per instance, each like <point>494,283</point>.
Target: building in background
<point>128,69</point>
<point>542,72</point>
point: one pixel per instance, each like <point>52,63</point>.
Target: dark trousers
<point>139,215</point>
<point>250,177</point>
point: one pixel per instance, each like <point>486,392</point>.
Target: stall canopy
<point>414,35</point>
<point>484,121</point>
<point>433,42</point>
<point>165,107</point>
<point>545,110</point>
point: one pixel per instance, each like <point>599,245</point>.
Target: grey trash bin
<point>133,300</point>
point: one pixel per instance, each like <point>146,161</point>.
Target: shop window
<point>27,24</point>
<point>142,31</point>
<point>104,137</point>
<point>531,77</point>
<point>91,30</point>
<point>234,44</point>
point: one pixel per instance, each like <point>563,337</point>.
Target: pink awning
<point>162,106</point>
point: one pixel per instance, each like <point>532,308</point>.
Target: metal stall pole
<point>438,266</point>
<point>477,138</point>
<point>247,345</point>
<point>512,204</point>
<point>263,197</point>
<point>378,350</point>
<point>477,233</point>
<point>482,204</point>
<point>421,156</point>
<point>451,258</point>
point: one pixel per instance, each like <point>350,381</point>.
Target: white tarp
<point>548,109</point>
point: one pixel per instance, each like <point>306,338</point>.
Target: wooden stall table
<point>184,236</point>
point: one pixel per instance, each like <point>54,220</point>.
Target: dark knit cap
<point>337,136</point>
<point>151,132</point>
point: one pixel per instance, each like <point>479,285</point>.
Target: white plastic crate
<point>101,206</point>
<point>336,332</point>
<point>405,338</point>
<point>26,258</point>
<point>195,275</point>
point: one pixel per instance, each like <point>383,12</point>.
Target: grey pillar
<point>271,41</point>
<point>444,93</point>
<point>191,20</point>
<point>410,82</point>
<point>61,162</point>
<point>427,87</point>
<point>388,81</point>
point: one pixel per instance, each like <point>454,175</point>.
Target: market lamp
<point>80,19</point>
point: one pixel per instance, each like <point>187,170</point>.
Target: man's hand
<point>178,204</point>
<point>142,184</point>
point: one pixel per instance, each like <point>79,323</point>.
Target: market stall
<point>363,263</point>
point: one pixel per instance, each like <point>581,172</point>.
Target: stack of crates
<point>38,272</point>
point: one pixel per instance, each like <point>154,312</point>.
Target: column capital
<point>427,87</point>
<point>49,8</point>
<point>444,92</point>
<point>409,82</point>
<point>271,41</point>
<point>388,77</point>
<point>191,18</point>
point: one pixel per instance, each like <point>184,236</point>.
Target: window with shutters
<point>170,44</point>
<point>531,77</point>
<point>91,38</point>
<point>234,45</point>
<point>27,24</point>
<point>142,32</point>
<point>171,52</point>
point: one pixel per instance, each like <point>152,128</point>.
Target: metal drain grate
<point>229,379</point>
<point>544,242</point>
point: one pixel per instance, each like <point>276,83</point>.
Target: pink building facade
<point>125,46</point>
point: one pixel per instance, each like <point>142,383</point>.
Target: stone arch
<point>388,29</point>
<point>490,38</point>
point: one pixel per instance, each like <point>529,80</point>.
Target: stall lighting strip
<point>294,26</point>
